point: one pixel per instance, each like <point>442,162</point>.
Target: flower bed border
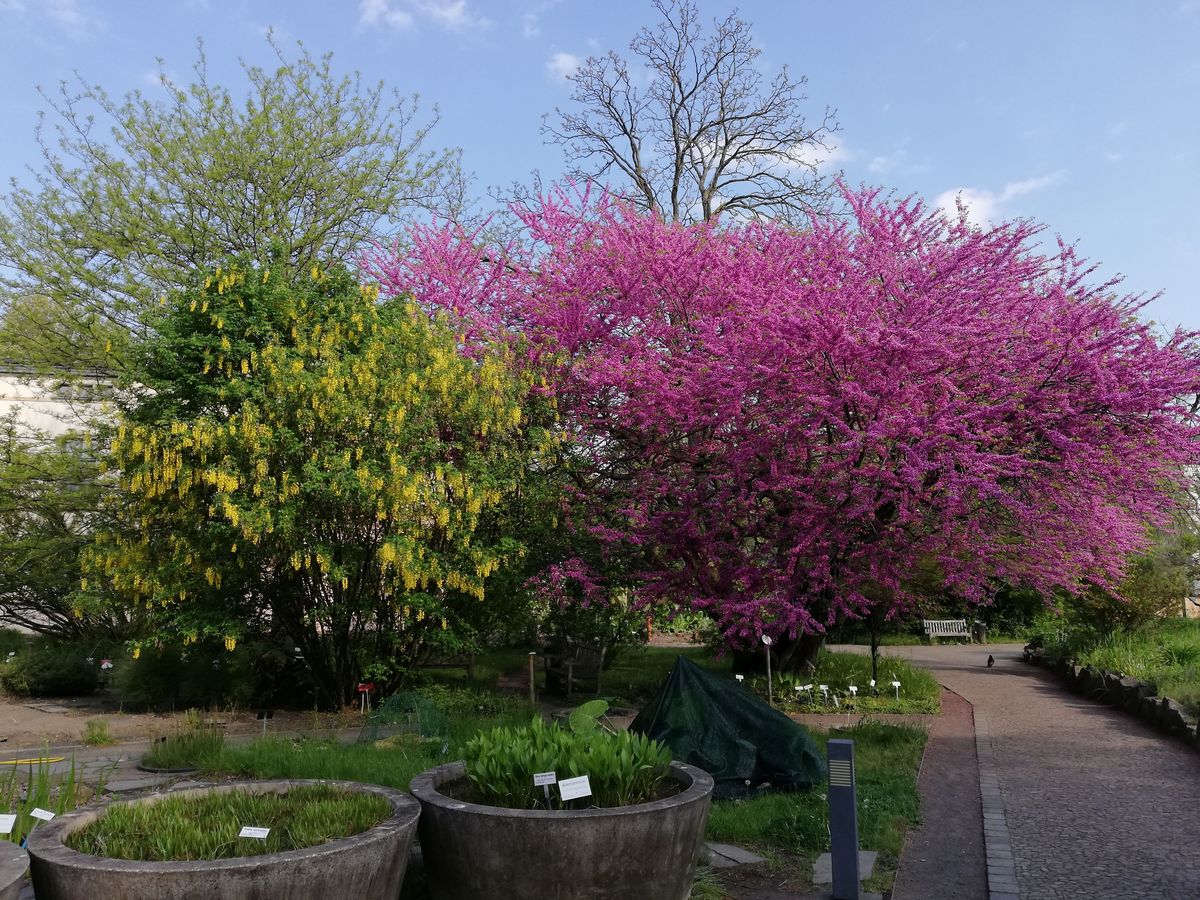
<point>1133,695</point>
<point>368,865</point>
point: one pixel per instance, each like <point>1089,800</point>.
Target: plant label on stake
<point>43,815</point>
<point>544,780</point>
<point>7,823</point>
<point>896,685</point>
<point>573,788</point>
<point>249,831</point>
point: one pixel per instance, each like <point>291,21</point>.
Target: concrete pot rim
<point>14,863</point>
<point>46,841</point>
<point>699,784</point>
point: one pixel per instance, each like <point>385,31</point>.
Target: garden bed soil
<point>25,727</point>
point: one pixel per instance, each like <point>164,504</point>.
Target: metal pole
<point>843,819</point>
<point>767,648</point>
<point>770,694</point>
<point>532,688</point>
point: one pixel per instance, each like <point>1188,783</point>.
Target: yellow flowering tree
<point>313,463</point>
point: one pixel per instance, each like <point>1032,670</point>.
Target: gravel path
<point>1097,804</point>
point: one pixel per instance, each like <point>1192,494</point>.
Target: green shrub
<point>622,768</point>
<point>50,669</point>
<point>206,826</point>
<point>208,675</point>
<point>12,641</point>
<point>96,734</point>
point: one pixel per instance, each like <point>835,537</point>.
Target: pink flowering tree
<point>788,428</point>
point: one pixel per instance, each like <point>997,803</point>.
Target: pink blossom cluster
<point>787,427</point>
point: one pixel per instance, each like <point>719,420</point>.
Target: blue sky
<point>1082,115</point>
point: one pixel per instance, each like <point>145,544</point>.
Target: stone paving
<point>1093,803</point>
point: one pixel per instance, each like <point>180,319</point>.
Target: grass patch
<point>1166,653</point>
<point>920,692</point>
<point>391,760</point>
<point>887,758</point>
<point>638,671</point>
<point>206,827</point>
<point>33,786</point>
<point>189,748</point>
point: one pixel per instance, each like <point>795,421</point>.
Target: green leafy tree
<point>49,500</point>
<point>136,194</point>
<point>313,463</point>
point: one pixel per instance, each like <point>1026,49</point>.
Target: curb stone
<point>1001,865</point>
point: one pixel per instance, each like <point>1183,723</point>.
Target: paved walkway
<point>1096,804</point>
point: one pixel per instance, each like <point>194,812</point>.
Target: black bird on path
<point>991,660</point>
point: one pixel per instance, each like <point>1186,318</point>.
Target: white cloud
<point>381,12</point>
<point>983,206</point>
<point>68,15</point>
<point>452,14</point>
<point>563,65</point>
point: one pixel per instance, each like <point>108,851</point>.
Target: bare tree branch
<point>701,133</point>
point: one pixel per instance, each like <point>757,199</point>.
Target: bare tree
<point>692,128</point>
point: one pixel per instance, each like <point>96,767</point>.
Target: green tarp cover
<point>717,724</point>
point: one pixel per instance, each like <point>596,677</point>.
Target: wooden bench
<point>432,659</point>
<point>939,628</point>
<point>576,666</point>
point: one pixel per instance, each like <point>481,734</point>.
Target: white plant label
<point>872,682</point>
<point>853,689</point>
<point>44,814</point>
<point>7,823</point>
<point>895,684</point>
<point>824,689</point>
<point>544,778</point>
<point>256,833</point>
<point>572,788</point>
<point>740,677</point>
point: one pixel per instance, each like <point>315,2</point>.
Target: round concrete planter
<point>369,865</point>
<point>623,853</point>
<point>13,863</point>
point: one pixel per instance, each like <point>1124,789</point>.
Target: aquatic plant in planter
<point>323,839</point>
<point>636,834</point>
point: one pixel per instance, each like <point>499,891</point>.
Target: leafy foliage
<point>622,768</point>
<point>137,194</point>
<point>787,428</point>
<point>36,786</point>
<point>50,668</point>
<point>51,497</point>
<point>310,452</point>
<point>192,744</point>
<point>207,826</point>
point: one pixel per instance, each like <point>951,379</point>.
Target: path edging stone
<point>1001,865</point>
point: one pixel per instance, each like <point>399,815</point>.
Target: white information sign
<point>853,689</point>
<point>544,778</point>
<point>44,814</point>
<point>895,684</point>
<point>572,788</point>
<point>257,833</point>
<point>7,823</point>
